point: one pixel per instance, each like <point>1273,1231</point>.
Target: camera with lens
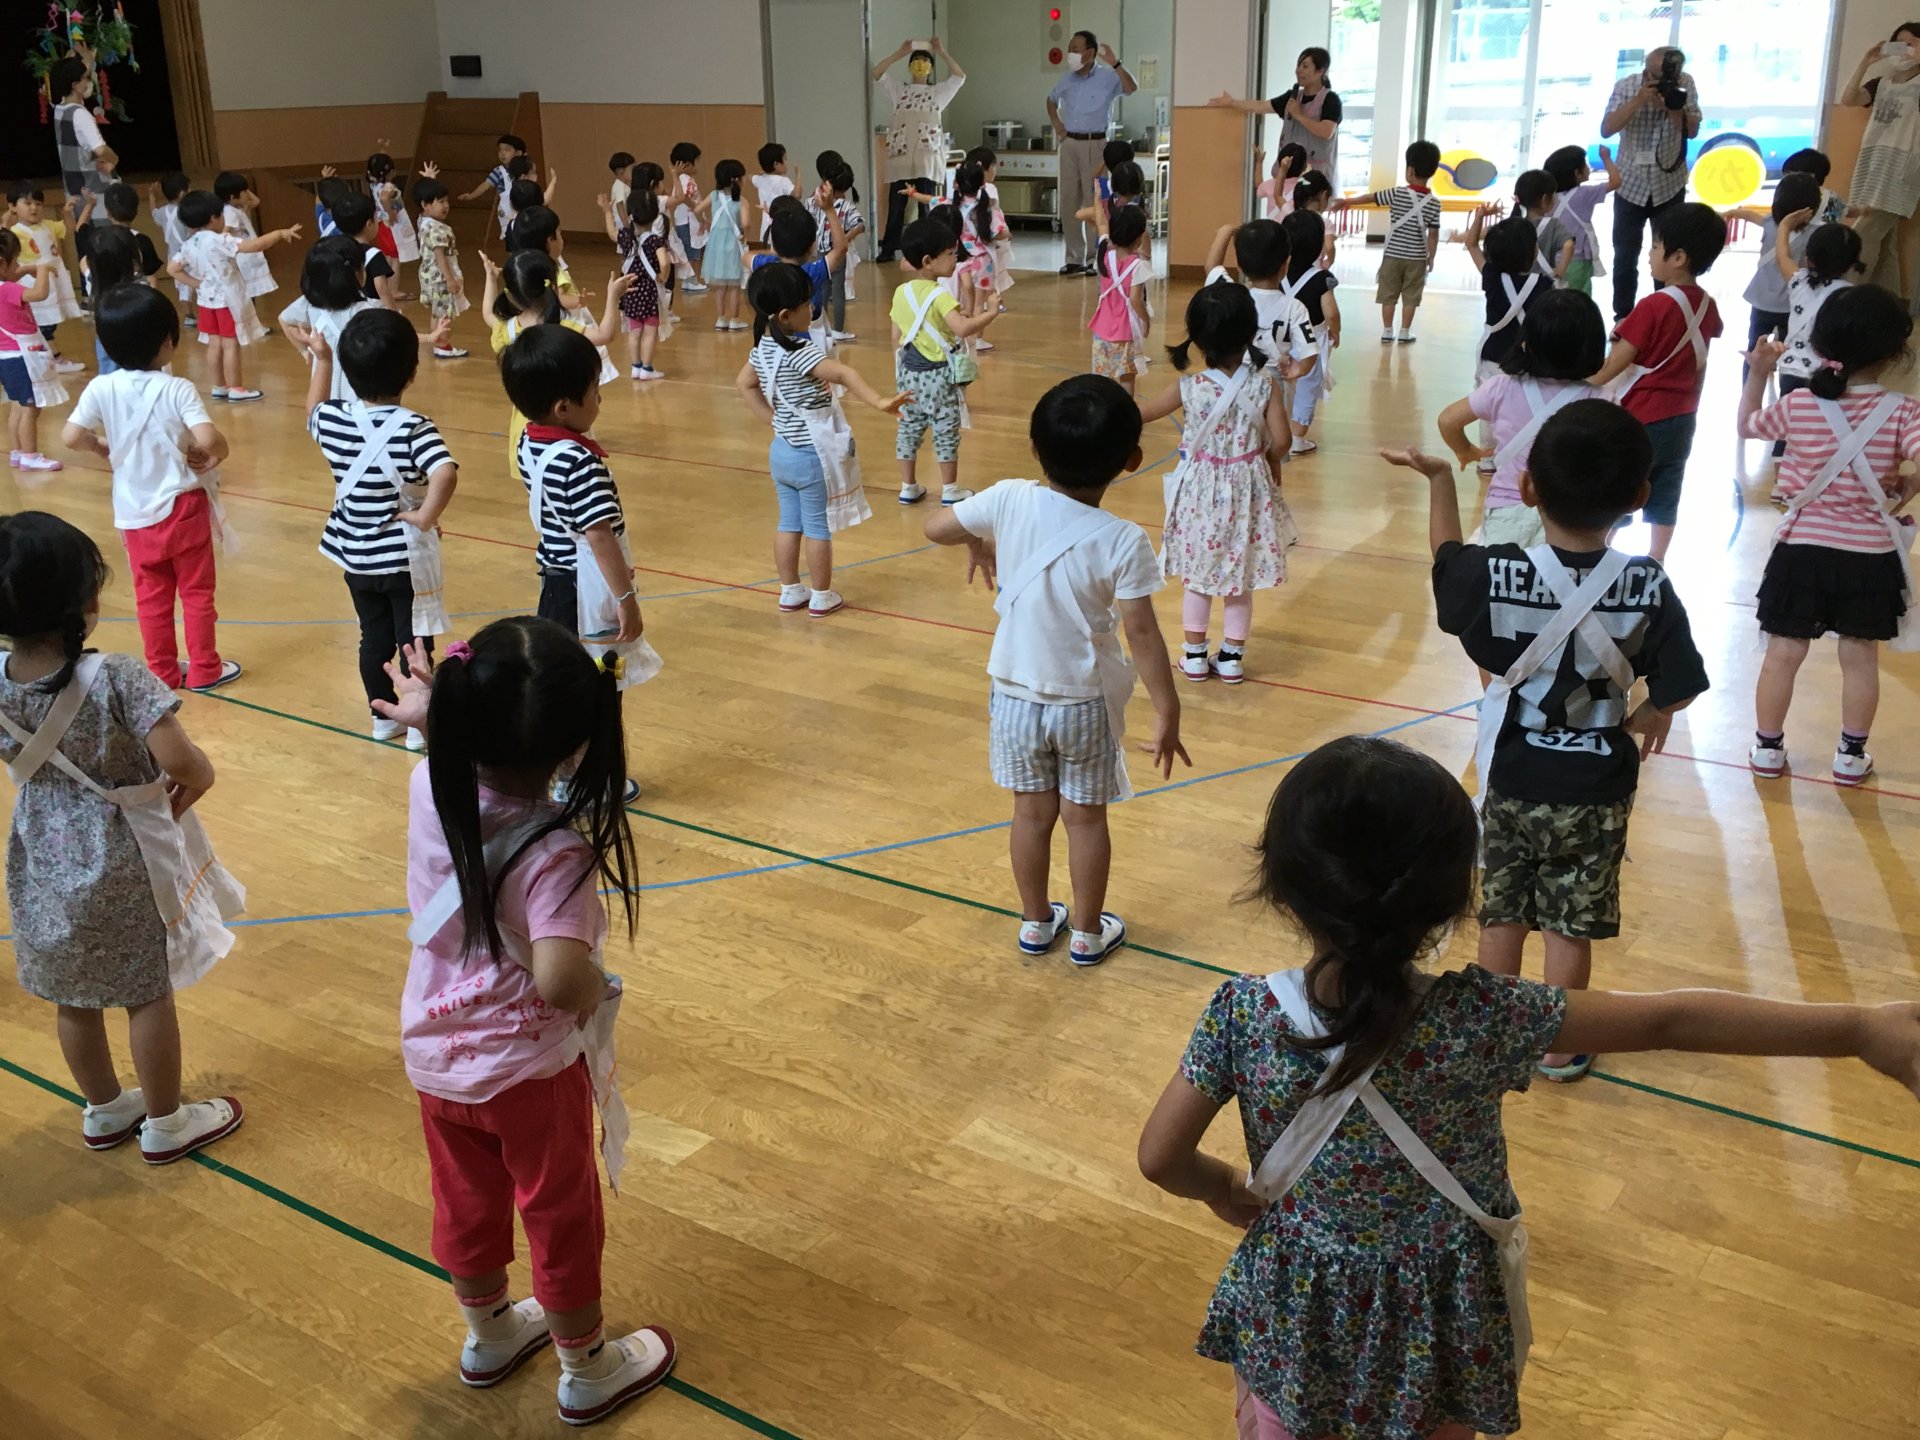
<point>1672,93</point>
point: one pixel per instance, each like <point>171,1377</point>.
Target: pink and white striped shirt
<point>1846,516</point>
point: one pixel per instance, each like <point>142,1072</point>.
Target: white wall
<point>812,38</point>
<point>1210,46</point>
<point>284,54</point>
<point>604,52</point>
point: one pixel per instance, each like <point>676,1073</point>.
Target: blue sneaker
<point>1090,949</point>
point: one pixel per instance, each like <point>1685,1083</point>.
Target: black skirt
<point>1811,590</point>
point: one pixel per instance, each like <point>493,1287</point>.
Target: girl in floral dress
<point>1227,529</point>
<point>642,242</point>
<point>1365,1301</point>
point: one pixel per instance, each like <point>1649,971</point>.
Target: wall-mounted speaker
<point>466,67</point>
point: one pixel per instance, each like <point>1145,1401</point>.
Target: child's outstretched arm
<point>1719,1022</point>
<point>320,382</point>
<point>1783,243</point>
<point>1454,421</point>
<point>1443,501</point>
<point>1618,359</point>
<point>609,326</point>
<point>189,773</point>
<point>836,256</point>
<point>1614,176</point>
<point>1161,405</point>
<point>968,325</point>
<point>1217,252</point>
<point>269,240</point>
<point>944,528</point>
<point>1148,647</point>
<point>1170,1156</point>
<point>607,218</point>
<point>1761,362</point>
<point>490,290</point>
<point>834,372</point>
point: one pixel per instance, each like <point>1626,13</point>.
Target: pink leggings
<point>1258,1422</point>
<point>1236,615</point>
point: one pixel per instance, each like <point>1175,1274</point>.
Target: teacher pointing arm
<point>1079,107</point>
<point>1309,113</point>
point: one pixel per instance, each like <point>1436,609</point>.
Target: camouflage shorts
<point>1553,867</point>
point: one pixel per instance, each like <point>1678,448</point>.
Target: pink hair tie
<point>459,650</point>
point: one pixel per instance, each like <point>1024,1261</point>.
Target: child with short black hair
<point>1284,335</point>
<point>165,454</point>
<point>1766,294</point>
<point>391,206</point>
<point>122,204</point>
<point>1113,155</point>
<point>163,199</point>
<point>1839,559</point>
<point>359,221</point>
<point>392,479</point>
<point>1829,260</point>
<point>1578,195</point>
<point>1676,323</point>
<point>794,234</point>
<point>689,230</point>
<point>41,239</point>
<point>771,183</point>
<point>114,894</point>
<point>1069,576</point>
<point>235,192</point>
<point>497,179</point>
<point>1536,194</point>
<point>1413,240</point>
<point>1506,255</point>
<point>27,376</point>
<point>927,331</point>
<point>1559,749</point>
<point>1310,282</point>
<point>208,262</point>
<point>443,289</point>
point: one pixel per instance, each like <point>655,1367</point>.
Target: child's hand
<point>1890,1042</point>
<point>1165,744</point>
<point>317,346</point>
<point>180,797</point>
<point>1606,154</point>
<point>981,559</point>
<point>605,202</point>
<point>1237,1205</point>
<point>1470,455</point>
<point>429,170</point>
<point>1766,353</point>
<point>327,172</point>
<point>199,459</point>
<point>618,285</point>
<point>1651,724</point>
<point>1798,219</point>
<point>894,405</point>
<point>631,624</point>
<point>412,687</point>
<point>487,264</point>
<point>1413,458</point>
<point>442,330</point>
<point>416,519</point>
<point>290,234</point>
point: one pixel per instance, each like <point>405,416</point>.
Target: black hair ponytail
<point>50,573</point>
<point>523,698</point>
<point>1861,327</point>
<point>643,205</point>
<point>1369,848</point>
<point>1221,320</point>
<point>969,181</point>
<point>529,278</point>
<point>1832,254</point>
<point>772,290</point>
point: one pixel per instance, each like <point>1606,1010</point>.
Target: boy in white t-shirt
<point>163,449</point>
<point>1069,576</point>
<point>771,183</point>
<point>1285,335</point>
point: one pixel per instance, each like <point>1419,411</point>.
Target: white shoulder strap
<point>374,438</point>
<point>1412,219</point>
<point>1012,586</point>
<point>440,910</point>
<point>920,313</point>
<point>1516,299</point>
<point>42,746</point>
<point>1314,1123</point>
<point>1692,337</point>
<point>1849,453</point>
<point>1542,410</point>
<point>1222,407</point>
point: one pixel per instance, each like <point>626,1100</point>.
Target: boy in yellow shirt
<point>926,331</point>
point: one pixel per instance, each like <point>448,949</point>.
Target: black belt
<point>1081,135</point>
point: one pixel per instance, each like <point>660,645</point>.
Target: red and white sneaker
<point>1768,761</point>
<point>105,1126</point>
<point>644,1359</point>
<point>1229,667</point>
<point>1195,667</point>
<point>794,597</point>
<point>1851,769</point>
<point>165,1139</point>
<point>487,1362</point>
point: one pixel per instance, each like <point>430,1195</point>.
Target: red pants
<point>528,1149</point>
<point>176,556</point>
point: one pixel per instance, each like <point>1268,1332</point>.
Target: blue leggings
<point>801,487</point>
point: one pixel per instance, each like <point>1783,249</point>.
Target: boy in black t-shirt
<point>1566,628</point>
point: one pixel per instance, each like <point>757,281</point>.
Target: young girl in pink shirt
<point>506,1018</point>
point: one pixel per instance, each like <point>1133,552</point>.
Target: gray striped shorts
<point>1069,748</point>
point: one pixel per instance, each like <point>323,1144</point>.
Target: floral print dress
<point>1227,529</point>
<point>1363,1304</point>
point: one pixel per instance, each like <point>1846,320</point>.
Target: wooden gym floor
<point>882,1177</point>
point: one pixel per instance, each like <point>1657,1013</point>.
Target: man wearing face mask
<point>86,160</point>
<point>1079,107</point>
<point>916,135</point>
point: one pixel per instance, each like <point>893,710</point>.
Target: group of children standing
<point>516,819</point>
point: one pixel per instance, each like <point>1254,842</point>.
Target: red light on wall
<point>1053,55</point>
<point>1053,14</point>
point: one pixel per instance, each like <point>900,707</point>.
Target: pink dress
<point>1227,528</point>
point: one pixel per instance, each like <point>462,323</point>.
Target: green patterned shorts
<point>1553,867</point>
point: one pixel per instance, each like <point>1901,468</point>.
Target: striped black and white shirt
<point>788,374</point>
<point>362,536</point>
<point>577,493</point>
<point>1411,214</point>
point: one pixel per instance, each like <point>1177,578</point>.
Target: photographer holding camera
<point>1655,113</point>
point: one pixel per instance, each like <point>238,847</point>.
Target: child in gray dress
<point>88,934</point>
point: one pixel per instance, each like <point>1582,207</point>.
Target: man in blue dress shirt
<point>1079,107</point>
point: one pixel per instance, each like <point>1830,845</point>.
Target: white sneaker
<point>1768,760</point>
<point>823,603</point>
<point>646,1359</point>
<point>1089,949</point>
<point>416,740</point>
<point>1408,338</point>
<point>912,494</point>
<point>721,325</point>
<point>1302,447</point>
<point>167,1138</point>
<point>1038,936</point>
<point>229,672</point>
<point>384,729</point>
<point>1851,769</point>
<point>954,494</point>
<point>1387,337</point>
<point>793,597</point>
<point>105,1126</point>
<point>647,372</point>
<point>739,325</point>
<point>34,460</point>
<point>693,287</point>
<point>452,353</point>
<point>843,337</point>
<point>1487,467</point>
<point>239,397</point>
<point>487,1362</point>
<point>1195,667</point>
<point>1228,667</point>
<point>68,367</point>
<point>983,346</point>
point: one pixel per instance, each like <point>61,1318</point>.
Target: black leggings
<point>897,211</point>
<point>384,604</point>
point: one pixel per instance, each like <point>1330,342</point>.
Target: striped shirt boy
<point>362,534</point>
<point>1407,235</point>
<point>578,491</point>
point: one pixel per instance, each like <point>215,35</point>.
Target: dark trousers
<point>1629,228</point>
<point>897,210</point>
<point>1764,322</point>
<point>560,599</point>
<point>384,604</point>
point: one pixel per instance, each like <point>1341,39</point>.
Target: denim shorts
<point>15,381</point>
<point>1672,442</point>
<point>800,485</point>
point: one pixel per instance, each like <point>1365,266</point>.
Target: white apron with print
<point>1693,339</point>
<point>598,612</point>
<point>832,440</point>
<point>1851,454</point>
<point>1314,1124</point>
<point>192,891</point>
<point>423,546</point>
<point>1572,623</point>
<point>1192,441</point>
<point>48,390</point>
<point>1115,671</point>
<point>595,1039</point>
<point>256,272</point>
<point>406,242</point>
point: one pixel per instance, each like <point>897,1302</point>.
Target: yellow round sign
<point>1728,176</point>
